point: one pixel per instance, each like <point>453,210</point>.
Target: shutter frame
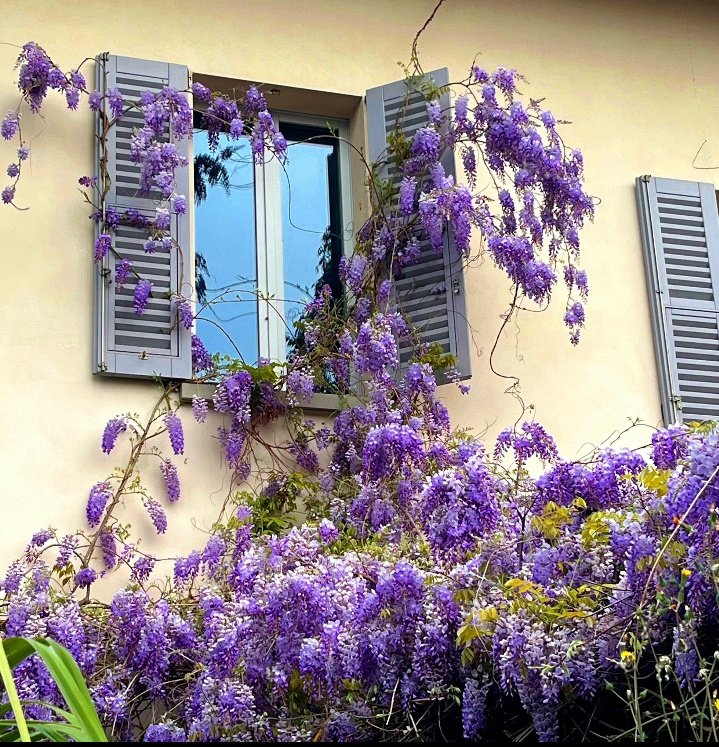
<point>679,223</point>
<point>151,345</point>
<point>452,327</point>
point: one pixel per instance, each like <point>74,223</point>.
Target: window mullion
<point>261,258</point>
<point>274,259</point>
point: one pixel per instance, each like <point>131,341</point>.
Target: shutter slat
<point>151,344</point>
<point>421,290</point>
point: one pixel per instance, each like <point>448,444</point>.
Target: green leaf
<point>9,686</point>
<point>83,723</point>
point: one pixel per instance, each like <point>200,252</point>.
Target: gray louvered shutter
<point>431,292</point>
<point>152,344</point>
<point>680,233</point>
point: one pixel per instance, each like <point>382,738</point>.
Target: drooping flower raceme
<point>100,495</point>
<point>113,429</point>
<point>143,290</point>
<point>175,432</point>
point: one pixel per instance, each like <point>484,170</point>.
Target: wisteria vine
<point>376,577</point>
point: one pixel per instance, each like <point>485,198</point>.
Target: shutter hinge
<point>646,178</point>
<point>103,366</point>
<point>676,400</point>
<point>144,356</point>
<point>455,286</point>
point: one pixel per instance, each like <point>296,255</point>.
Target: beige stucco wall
<point>638,80</point>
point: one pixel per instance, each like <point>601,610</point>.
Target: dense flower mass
<point>532,226</point>
<point>484,604</point>
<point>669,447</point>
<point>378,575</point>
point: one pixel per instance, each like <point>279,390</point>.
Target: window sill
<point>321,403</point>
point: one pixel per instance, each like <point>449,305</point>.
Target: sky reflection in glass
<point>225,238</point>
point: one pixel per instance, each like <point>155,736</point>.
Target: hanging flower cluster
<point>167,120</point>
<point>533,221</point>
<point>507,591</point>
<point>383,568</point>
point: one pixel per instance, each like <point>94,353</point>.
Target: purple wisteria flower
<point>10,125</point>
<point>156,514</point>
<point>199,408</point>
<point>85,578</point>
<point>186,569</point>
<point>143,290</point>
<point>474,705</point>
<point>165,732</point>
<point>94,101</point>
<point>184,312</point>
<point>100,494</point>
<point>407,189</point>
<point>162,219</point>
<point>113,429</point>
<point>179,204</point>
<point>40,538</point>
<point>426,144</point>
<point>530,440</point>
<point>237,128</point>
<point>669,447</point>
<point>352,272</point>
<point>142,569</point>
<point>328,532</point>
<point>116,102</point>
<point>175,432</point>
<point>376,346</point>
<point>201,359</point>
<point>108,547</point>
<point>201,92</point>
<point>172,480</point>
<point>300,385</point>
<point>123,269</point>
<point>103,244</point>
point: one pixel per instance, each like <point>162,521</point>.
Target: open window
<point>260,240</point>
<point>269,237</point>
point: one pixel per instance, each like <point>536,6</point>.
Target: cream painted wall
<point>638,80</point>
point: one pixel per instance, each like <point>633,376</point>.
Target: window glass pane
<point>309,231</point>
<point>226,257</point>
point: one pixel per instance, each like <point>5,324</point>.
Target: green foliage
<point>398,146</point>
<point>272,511</point>
<point>80,721</point>
<point>655,479</point>
<point>436,357</point>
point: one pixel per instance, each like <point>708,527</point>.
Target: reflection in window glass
<point>226,257</point>
<point>311,231</point>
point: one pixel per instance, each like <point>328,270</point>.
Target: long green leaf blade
<point>9,683</point>
<point>68,677</point>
